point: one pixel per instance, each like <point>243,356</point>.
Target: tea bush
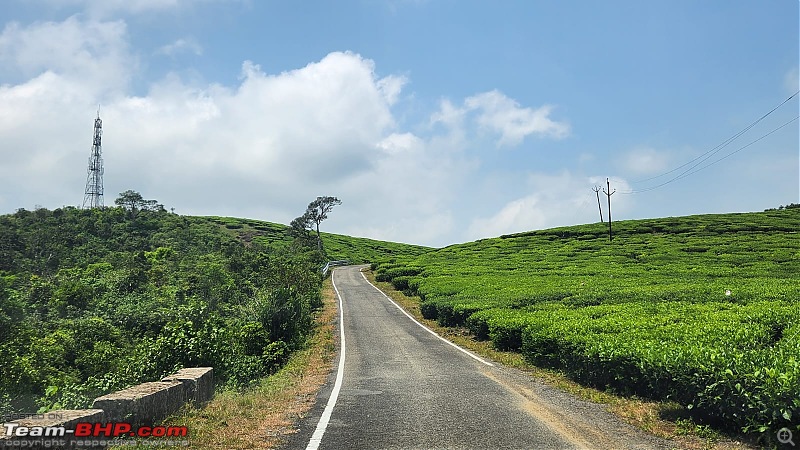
<point>702,310</point>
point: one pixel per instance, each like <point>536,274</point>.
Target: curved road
<point>403,387</point>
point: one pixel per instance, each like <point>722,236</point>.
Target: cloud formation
<point>504,116</point>
<point>261,148</point>
<point>500,116</point>
<point>79,52</point>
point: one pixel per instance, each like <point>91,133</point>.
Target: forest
<point>96,300</point>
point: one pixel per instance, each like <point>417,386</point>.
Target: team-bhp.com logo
<point>87,429</point>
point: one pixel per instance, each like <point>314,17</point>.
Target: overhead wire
<point>710,153</point>
<point>692,172</point>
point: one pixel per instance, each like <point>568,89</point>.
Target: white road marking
<point>470,354</point>
<point>316,438</point>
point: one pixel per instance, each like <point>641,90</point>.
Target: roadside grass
<point>261,415</point>
<point>663,419</point>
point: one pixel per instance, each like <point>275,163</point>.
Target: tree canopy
<point>133,202</point>
<point>95,300</point>
<point>316,212</point>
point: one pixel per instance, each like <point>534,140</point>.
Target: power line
<point>690,171</point>
<point>744,146</point>
<point>720,146</point>
<point>694,163</point>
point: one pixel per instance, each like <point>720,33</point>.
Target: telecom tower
<point>93,196</point>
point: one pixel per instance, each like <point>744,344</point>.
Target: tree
<point>133,202</point>
<point>316,212</point>
<point>298,230</point>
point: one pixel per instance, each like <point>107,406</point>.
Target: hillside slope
<point>357,250</point>
<point>93,301</point>
<point>703,310</point>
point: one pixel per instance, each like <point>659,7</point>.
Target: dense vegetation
<point>96,300</point>
<point>702,310</point>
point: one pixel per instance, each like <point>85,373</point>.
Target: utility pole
<point>596,190</point>
<point>608,194</point>
<point>93,194</point>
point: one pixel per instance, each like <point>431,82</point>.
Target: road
<point>403,387</point>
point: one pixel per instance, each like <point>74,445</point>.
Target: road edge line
<point>322,425</point>
<point>467,352</point>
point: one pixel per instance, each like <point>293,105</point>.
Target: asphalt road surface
<point>403,387</point>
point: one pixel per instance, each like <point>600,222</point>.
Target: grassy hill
<point>337,246</point>
<point>92,301</point>
<point>703,310</point>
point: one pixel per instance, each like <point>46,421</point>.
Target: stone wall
<point>143,405</point>
<point>198,383</point>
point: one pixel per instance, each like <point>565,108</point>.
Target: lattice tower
<point>93,195</point>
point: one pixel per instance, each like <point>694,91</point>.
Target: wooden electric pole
<point>596,190</point>
<point>608,194</point>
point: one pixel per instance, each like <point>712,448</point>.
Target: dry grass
<point>646,415</point>
<point>260,416</point>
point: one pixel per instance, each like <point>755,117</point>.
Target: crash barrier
<point>329,264</point>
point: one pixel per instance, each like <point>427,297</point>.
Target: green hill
<point>337,247</point>
<point>92,301</point>
<point>703,310</point>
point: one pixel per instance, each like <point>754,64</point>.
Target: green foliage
<point>284,315</point>
<point>93,301</point>
<point>133,202</point>
<point>96,300</point>
<point>702,310</point>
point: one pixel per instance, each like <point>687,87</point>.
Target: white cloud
<point>390,87</point>
<point>448,115</point>
<point>645,161</point>
<point>263,147</point>
<point>181,45</point>
<point>260,147</point>
<point>498,114</point>
<point>503,115</point>
<point>554,200</point>
<point>84,52</point>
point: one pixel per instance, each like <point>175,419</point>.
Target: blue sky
<point>435,121</point>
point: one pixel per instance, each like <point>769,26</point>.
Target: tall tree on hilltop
<point>133,202</point>
<point>316,212</point>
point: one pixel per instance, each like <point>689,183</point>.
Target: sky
<point>434,121</point>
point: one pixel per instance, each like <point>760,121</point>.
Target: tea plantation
<point>703,310</point>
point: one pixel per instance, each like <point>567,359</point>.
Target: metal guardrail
<point>329,264</point>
